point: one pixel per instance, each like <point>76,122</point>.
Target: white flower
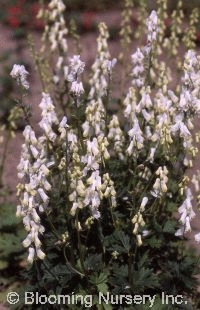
<point>74,208</point>
<point>179,232</point>
<point>27,241</point>
<point>31,255</point>
<point>187,213</point>
<point>76,66</point>
<point>137,57</point>
<point>40,254</point>
<point>77,88</point>
<point>197,237</point>
<point>92,147</point>
<point>138,68</point>
<point>63,122</point>
<point>19,211</point>
<point>180,126</point>
<point>152,27</point>
<point>43,195</point>
<point>35,216</point>
<point>143,203</point>
<point>59,62</point>
<point>19,72</point>
<point>110,64</point>
<point>34,151</point>
<point>139,240</point>
<point>152,154</point>
<point>95,213</point>
<point>145,233</point>
<point>136,134</point>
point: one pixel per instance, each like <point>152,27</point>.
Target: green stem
<point>131,262</point>
<point>79,242</point>
<point>53,227</point>
<point>70,266</point>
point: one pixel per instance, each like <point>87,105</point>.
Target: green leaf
<point>154,242</point>
<point>107,306</point>
<point>169,226</point>
<point>10,244</point>
<point>3,264</point>
<point>100,281</point>
<point>125,240</point>
<point>102,288</point>
<point>93,261</point>
<point>171,207</point>
<point>143,279</point>
<point>8,217</point>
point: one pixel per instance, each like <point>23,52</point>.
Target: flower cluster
<point>20,74</point>
<point>99,83</point>
<point>56,31</point>
<point>33,168</point>
<point>138,220</point>
<point>72,72</point>
<point>160,185</point>
<point>152,27</point>
<point>187,214</point>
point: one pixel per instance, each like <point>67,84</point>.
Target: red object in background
<point>24,14</point>
<point>198,37</point>
<point>14,16</point>
<point>88,20</point>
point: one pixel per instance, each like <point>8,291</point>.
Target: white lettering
<point>105,299</point>
<point>152,300</point>
<point>129,299</point>
<point>54,299</point>
<point>137,299</point>
<point>88,301</point>
<point>45,299</point>
<point>180,301</point>
<point>29,295</point>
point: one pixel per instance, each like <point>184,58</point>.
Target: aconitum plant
<point>99,190</point>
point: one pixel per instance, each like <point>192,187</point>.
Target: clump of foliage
<point>11,253</point>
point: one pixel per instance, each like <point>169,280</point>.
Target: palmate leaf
<point>93,261</point>
<point>100,281</point>
<point>59,273</point>
<point>144,279</point>
<point>180,275</point>
<point>170,226</point>
<point>102,288</point>
<point>142,260</point>
<point>119,280</point>
<point>171,207</point>
<point>154,242</point>
<point>125,240</point>
<point>118,241</point>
